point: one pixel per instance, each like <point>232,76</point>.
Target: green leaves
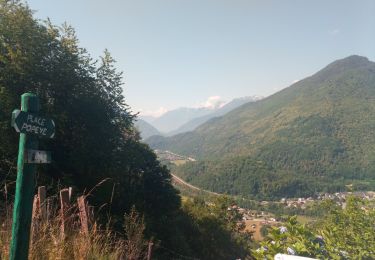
<point>213,229</point>
<point>344,234</point>
<point>95,138</point>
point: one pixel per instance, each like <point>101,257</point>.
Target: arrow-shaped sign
<point>29,123</point>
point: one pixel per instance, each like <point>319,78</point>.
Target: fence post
<point>64,211</point>
<point>34,218</point>
<point>83,215</point>
<point>35,208</point>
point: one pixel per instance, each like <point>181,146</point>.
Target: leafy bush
<point>343,234</point>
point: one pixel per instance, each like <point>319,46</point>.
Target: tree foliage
<point>214,230</point>
<point>95,138</point>
<point>255,179</point>
<point>97,149</point>
<point>343,234</point>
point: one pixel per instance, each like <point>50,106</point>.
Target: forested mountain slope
<point>146,130</point>
<point>321,126</point>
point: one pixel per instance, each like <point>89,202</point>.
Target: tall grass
<point>48,242</point>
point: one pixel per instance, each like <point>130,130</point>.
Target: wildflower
<point>319,240</point>
<point>344,253</point>
<point>262,249</point>
<point>283,229</point>
<point>290,251</point>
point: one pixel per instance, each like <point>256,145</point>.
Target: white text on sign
<point>35,125</point>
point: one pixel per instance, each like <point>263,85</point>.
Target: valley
<point>315,136</point>
<point>219,130</point>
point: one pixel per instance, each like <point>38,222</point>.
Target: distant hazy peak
<point>146,129</point>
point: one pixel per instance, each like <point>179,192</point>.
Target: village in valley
<point>255,220</point>
<point>167,156</point>
<point>259,218</point>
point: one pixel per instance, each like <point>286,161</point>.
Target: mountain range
<point>173,119</point>
<point>185,119</point>
<point>220,111</point>
<point>146,129</point>
<point>316,135</point>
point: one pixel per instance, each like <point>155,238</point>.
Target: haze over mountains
<point>318,134</point>
<point>146,129</point>
<point>197,121</point>
<point>173,119</point>
<point>185,119</point>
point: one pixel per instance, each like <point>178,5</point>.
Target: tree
<point>214,230</point>
<point>95,137</point>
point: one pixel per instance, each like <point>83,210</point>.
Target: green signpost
<point>30,126</point>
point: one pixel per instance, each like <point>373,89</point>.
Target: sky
<point>187,53</point>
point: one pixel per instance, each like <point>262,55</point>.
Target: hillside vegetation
<point>318,130</point>
<point>341,234</point>
<point>96,151</point>
<point>95,139</point>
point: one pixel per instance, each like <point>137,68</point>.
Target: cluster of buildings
<point>170,156</point>
<point>248,214</point>
<point>338,197</point>
<point>341,196</point>
<point>297,203</point>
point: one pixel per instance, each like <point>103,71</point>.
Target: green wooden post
<point>25,185</point>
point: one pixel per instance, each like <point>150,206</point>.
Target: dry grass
<point>255,227</point>
<point>48,242</point>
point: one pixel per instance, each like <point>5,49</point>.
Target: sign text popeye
<point>29,123</point>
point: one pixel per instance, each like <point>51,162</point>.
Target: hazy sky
<point>181,52</point>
